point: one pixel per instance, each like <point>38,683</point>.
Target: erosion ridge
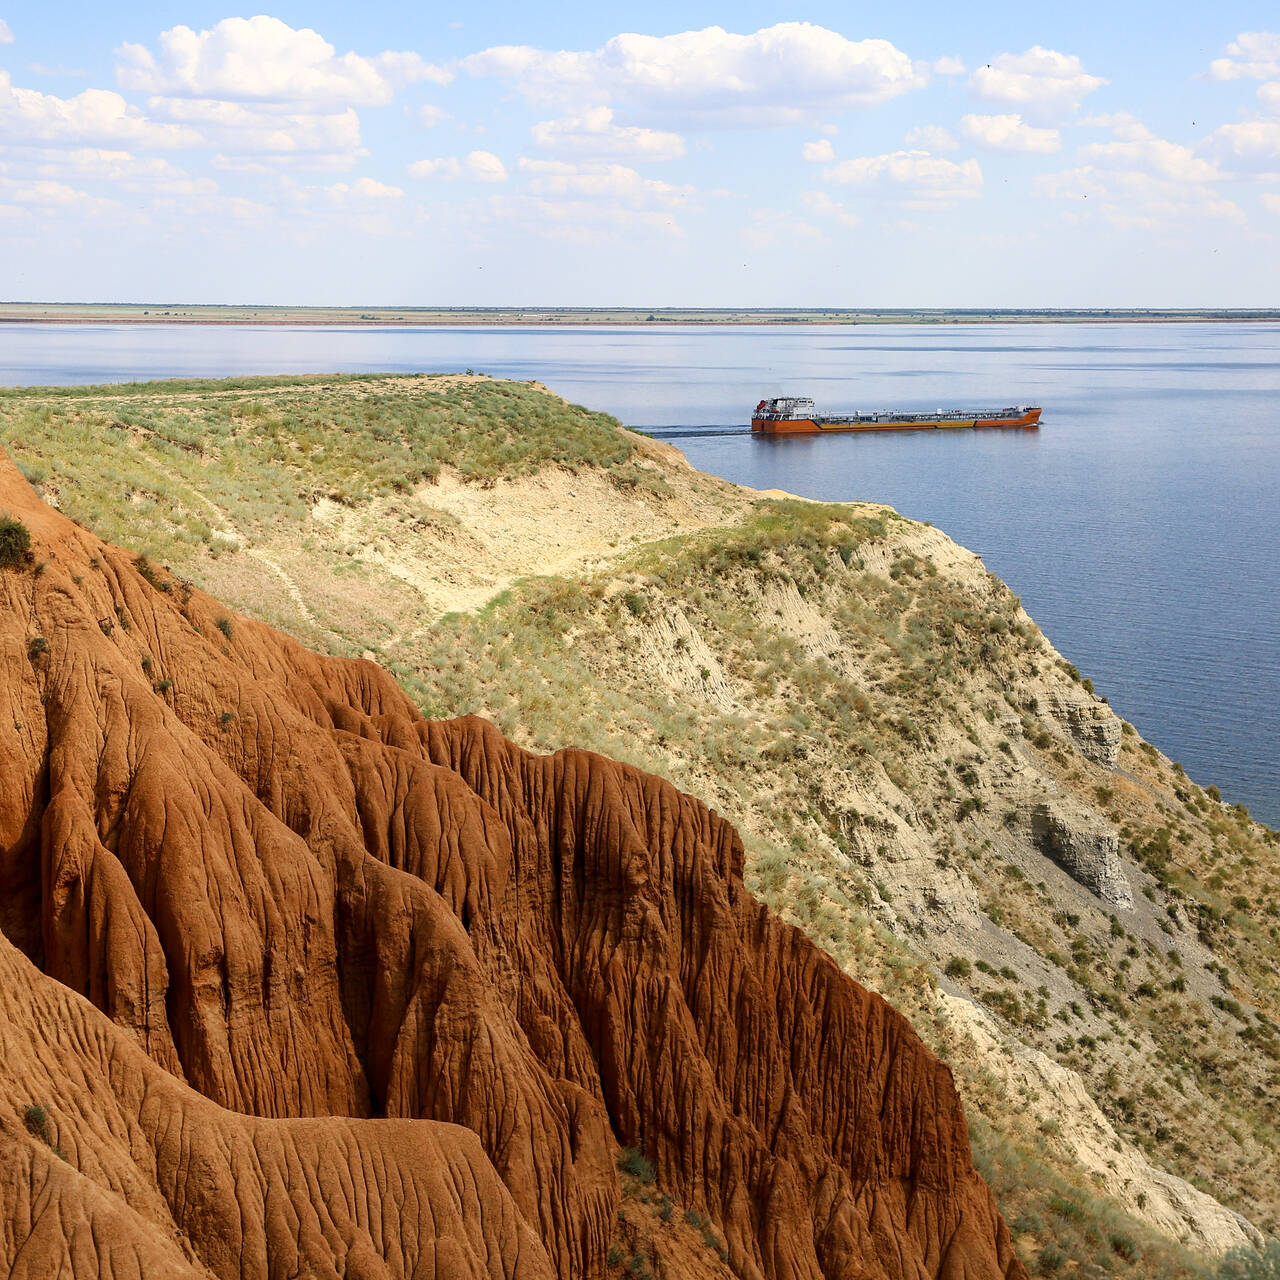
<point>254,901</point>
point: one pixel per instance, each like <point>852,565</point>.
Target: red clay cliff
<point>295,982</point>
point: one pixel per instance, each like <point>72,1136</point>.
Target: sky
<point>694,154</point>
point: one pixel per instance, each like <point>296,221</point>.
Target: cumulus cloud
<point>241,129</point>
<point>915,178</point>
<point>1252,55</point>
<point>96,115</point>
<point>6,34</point>
<point>819,152</point>
<point>949,67</point>
<point>1042,81</point>
<point>1132,198</point>
<point>362,190</point>
<point>429,116</point>
<point>615,182</point>
<point>1138,150</point>
<point>823,205</point>
<point>1008,133</point>
<point>477,166</point>
<point>263,59</point>
<point>594,133</point>
<point>782,74</point>
<point>768,227</point>
<point>148,174</point>
<point>1250,145</point>
<point>1271,202</point>
<point>50,197</point>
<point>930,137</point>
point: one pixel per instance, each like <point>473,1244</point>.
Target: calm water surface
<point>1139,524</point>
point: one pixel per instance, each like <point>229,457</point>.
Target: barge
<point>795,415</point>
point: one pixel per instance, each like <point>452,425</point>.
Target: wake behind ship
<point>795,415</point>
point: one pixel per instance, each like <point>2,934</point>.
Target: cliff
<point>294,980</point>
<point>922,783</point>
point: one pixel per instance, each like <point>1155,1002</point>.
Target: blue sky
<point>706,154</point>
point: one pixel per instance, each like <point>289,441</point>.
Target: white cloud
<point>478,166</point>
<point>916,178</point>
<point>823,205</point>
<point>1041,81</point>
<point>1250,145</point>
<point>151,175</point>
<point>242,129</point>
<point>1271,202</point>
<point>787,73</point>
<point>1138,150</point>
<point>613,182</point>
<point>265,60</point>
<point>96,115</point>
<point>51,197</point>
<point>429,116</point>
<point>949,67</point>
<point>820,152</point>
<point>1252,55</point>
<point>930,137</point>
<point>6,33</point>
<point>361,191</point>
<point>1009,133</point>
<point>773,226</point>
<point>1132,198</point>
<point>1269,96</point>
<point>594,133</point>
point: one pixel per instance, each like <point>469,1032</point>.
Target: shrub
<point>224,625</point>
<point>958,967</point>
<point>36,1119</point>
<point>37,646</point>
<point>1248,1264</point>
<point>632,1161</point>
<point>15,543</point>
<point>1049,1260</point>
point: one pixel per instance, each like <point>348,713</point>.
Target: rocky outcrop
<point>1093,726</point>
<point>305,984</point>
<point>1084,846</point>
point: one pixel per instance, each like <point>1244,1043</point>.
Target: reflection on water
<point>1138,524</point>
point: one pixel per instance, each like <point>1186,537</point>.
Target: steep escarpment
<point>297,981</point>
<point>922,782</point>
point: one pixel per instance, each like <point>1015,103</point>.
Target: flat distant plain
<point>184,313</point>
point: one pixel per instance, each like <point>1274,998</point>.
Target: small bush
<point>958,967</point>
<point>224,625</point>
<point>37,646</point>
<point>36,1119</point>
<point>632,1161</point>
<point>1249,1264</point>
<point>15,543</point>
<point>1049,1260</point>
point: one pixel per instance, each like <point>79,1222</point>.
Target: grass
<point>260,448</point>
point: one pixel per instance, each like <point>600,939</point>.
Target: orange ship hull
<point>812,427</point>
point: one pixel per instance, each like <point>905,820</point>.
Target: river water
<point>1140,524</point>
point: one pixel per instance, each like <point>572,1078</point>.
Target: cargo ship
<point>794,415</point>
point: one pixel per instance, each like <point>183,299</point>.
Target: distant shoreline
<point>393,317</point>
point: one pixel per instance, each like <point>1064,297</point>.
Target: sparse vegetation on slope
<point>924,784</point>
